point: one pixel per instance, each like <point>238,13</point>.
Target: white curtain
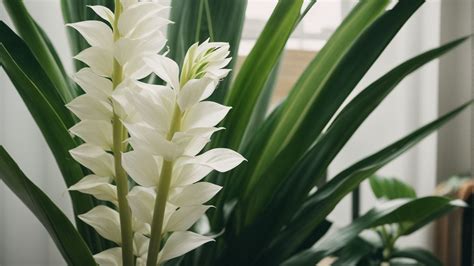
<point>23,241</point>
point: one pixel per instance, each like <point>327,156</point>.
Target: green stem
<point>199,19</point>
<point>121,178</point>
<point>209,20</point>
<point>162,196</point>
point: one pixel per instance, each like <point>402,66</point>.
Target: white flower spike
<point>153,134</point>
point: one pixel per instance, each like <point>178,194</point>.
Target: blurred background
<point>435,89</point>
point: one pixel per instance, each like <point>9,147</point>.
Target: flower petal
<point>193,91</point>
<point>96,33</point>
<point>140,245</point>
<point>142,202</point>
<point>220,159</point>
<point>204,114</point>
<point>183,218</point>
<point>180,243</point>
<point>86,107</point>
<point>104,13</point>
<point>94,158</point>
<point>165,68</point>
<point>146,139</point>
<point>149,26</point>
<point>109,257</point>
<point>93,84</point>
<point>99,59</point>
<point>105,221</point>
<point>188,173</point>
<point>155,105</point>
<point>194,194</point>
<point>144,168</point>
<point>133,16</point>
<point>97,186</point>
<point>96,132</point>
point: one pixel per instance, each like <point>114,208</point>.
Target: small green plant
<point>372,238</point>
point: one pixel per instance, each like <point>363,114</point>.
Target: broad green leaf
<point>41,47</point>
<point>323,201</point>
<point>71,245</point>
<point>311,168</point>
<point>51,118</point>
<point>199,20</point>
<point>353,252</point>
<point>392,211</point>
<point>295,182</point>
<point>420,255</point>
<point>420,213</point>
<point>77,10</point>
<point>390,188</point>
<point>249,83</point>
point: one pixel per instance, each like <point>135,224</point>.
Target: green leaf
<point>199,20</point>
<point>25,60</point>
<point>307,96</point>
<point>422,256</point>
<point>62,231</point>
<point>353,252</point>
<point>323,201</point>
<point>49,114</point>
<point>312,166</point>
<point>41,47</point>
<point>390,188</point>
<point>389,212</point>
<point>249,84</point>
<point>419,213</point>
<point>314,163</point>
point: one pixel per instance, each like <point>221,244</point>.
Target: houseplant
<point>265,204</point>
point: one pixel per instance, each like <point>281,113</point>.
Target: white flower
<point>167,128</point>
<point>176,124</point>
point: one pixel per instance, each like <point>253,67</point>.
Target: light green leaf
<point>41,47</point>
<point>390,188</point>
<point>249,84</point>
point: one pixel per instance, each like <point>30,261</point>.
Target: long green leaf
<point>292,192</point>
<point>390,188</point>
<point>249,84</point>
<point>321,203</point>
<point>295,182</point>
<point>31,67</point>
<point>32,85</point>
<point>71,245</point>
<point>305,93</point>
<point>40,47</point>
<point>199,20</point>
<point>390,212</point>
<point>420,255</point>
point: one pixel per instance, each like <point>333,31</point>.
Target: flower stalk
<point>121,178</point>
<point>162,195</point>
